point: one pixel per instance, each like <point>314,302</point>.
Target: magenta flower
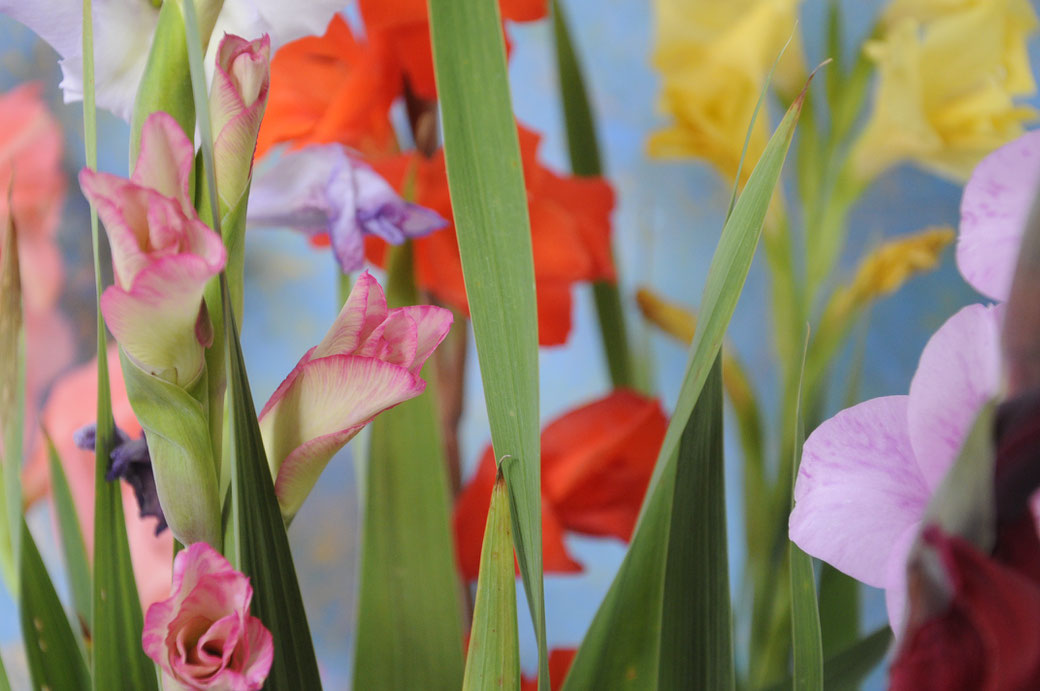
<point>238,98</point>
<point>322,190</point>
<point>368,361</point>
<point>203,636</point>
<point>162,255</point>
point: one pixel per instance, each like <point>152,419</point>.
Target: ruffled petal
<point>166,159</point>
<point>958,372</point>
<point>994,210</point>
<point>364,311</point>
<point>858,489</point>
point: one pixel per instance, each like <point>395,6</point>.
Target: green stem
<point>585,161</point>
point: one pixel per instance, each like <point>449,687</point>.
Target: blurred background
<point>666,224</point>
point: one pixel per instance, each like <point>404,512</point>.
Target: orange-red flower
<point>332,88</point>
<point>560,660</point>
<point>570,233</point>
<point>405,27</point>
<point>596,465</point>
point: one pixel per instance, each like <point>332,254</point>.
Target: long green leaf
<point>118,660</point>
<point>53,655</point>
<point>493,660</point>
<point>806,640</point>
<point>585,161</point>
<point>845,670</point>
<point>632,608</point>
<point>485,179</point>
<point>409,627</point>
<point>12,400</point>
<point>73,548</point>
<point>696,640</point>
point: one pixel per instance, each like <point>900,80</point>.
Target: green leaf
<point>73,548</point>
<point>489,202</point>
<point>261,546</point>
<point>118,660</point>
<point>12,400</point>
<point>806,642</point>
<point>585,161</point>
<point>622,646</point>
<point>696,640</point>
<point>839,609</point>
<point>409,628</point>
<point>845,670</point>
<point>53,655</point>
<point>493,659</point>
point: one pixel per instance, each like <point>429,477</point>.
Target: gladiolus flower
<point>947,87</point>
<point>332,89</point>
<point>327,194</point>
<point>714,59</point>
<point>162,255</point>
<point>237,100</point>
<point>596,465</point>
<point>570,233</point>
<point>123,33</point>
<point>369,361</point>
<point>203,636</point>
<point>69,406</point>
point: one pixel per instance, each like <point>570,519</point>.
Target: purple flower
<point>321,190</point>
<point>129,460</point>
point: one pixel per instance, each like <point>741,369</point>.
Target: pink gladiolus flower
<point>237,101</point>
<point>203,636</point>
<point>162,255</point>
<point>368,361</point>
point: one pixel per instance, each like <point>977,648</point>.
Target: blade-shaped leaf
<point>585,160</point>
<point>846,670</point>
<point>633,607</point>
<point>485,179</point>
<point>12,399</point>
<point>73,548</point>
<point>53,655</point>
<point>409,627</point>
<point>493,659</point>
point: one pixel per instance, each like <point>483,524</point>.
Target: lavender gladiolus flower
<point>129,460</point>
<point>322,190</point>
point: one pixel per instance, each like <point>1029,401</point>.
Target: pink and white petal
<point>166,159</point>
<point>858,489</point>
<point>260,645</point>
<point>994,209</point>
<point>330,395</point>
<point>397,342</point>
<point>959,371</point>
<point>364,310</point>
<point>432,326</point>
<point>895,577</point>
<point>155,321</point>
<point>300,470</point>
<point>123,209</point>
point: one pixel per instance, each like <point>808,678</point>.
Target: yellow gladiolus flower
<point>949,73</point>
<point>714,56</point>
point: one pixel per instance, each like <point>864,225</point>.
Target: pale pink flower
<point>238,97</point>
<point>368,361</point>
<point>162,255</point>
<point>203,636</point>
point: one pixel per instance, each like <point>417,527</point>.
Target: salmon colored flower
<point>560,660</point>
<point>570,233</point>
<point>70,406</point>
<point>203,636</point>
<point>332,89</point>
<point>369,361</point>
<point>162,254</point>
<point>596,465</point>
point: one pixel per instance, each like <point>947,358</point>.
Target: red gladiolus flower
<point>560,660</point>
<point>570,233</point>
<point>596,465</point>
<point>332,88</point>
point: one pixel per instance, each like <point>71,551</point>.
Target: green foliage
<point>489,203</point>
<point>73,548</point>
<point>409,627</point>
<point>493,659</point>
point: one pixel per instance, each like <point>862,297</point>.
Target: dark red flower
<point>596,465</point>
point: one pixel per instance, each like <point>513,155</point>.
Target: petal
<point>958,372</point>
<point>364,310</point>
<point>432,325</point>
<point>166,159</point>
<point>328,401</point>
<point>292,191</point>
<point>994,210</point>
<point>895,577</point>
<point>858,489</point>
